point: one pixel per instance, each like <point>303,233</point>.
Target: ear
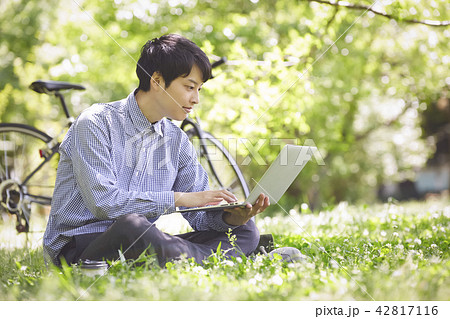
<point>157,81</point>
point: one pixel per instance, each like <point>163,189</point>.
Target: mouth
<point>187,109</point>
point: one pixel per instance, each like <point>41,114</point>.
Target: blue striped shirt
<point>115,162</point>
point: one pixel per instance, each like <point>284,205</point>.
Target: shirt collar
<point>139,121</point>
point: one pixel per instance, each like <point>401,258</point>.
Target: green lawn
<point>383,252</point>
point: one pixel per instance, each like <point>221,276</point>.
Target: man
<point>123,165</point>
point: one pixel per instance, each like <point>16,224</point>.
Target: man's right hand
<point>197,199</point>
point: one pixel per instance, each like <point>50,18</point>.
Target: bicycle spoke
<point>4,146</point>
<point>222,169</point>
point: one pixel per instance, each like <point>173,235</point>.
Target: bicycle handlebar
<point>217,63</point>
<point>220,62</point>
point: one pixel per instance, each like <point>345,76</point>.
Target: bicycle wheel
<point>222,169</point>
<point>27,171</point>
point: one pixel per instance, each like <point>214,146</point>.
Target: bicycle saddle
<point>48,86</point>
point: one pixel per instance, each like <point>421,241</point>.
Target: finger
<point>267,201</point>
<point>260,197</point>
<point>260,201</point>
<point>213,203</point>
<point>231,196</point>
<point>262,206</point>
<point>219,196</point>
<point>227,195</point>
<point>265,204</point>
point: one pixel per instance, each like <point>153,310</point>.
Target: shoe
<point>288,254</point>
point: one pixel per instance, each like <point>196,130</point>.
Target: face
<point>179,98</point>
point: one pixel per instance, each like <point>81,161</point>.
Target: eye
<point>189,87</point>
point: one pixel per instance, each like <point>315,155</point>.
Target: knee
<point>132,220</point>
<point>131,224</point>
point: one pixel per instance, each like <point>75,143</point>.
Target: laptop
<point>275,181</point>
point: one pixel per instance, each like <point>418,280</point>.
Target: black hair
<point>172,55</point>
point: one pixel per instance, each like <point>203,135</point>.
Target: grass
<point>382,252</point>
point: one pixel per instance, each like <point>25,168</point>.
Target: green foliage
<point>384,252</point>
<point>356,84</point>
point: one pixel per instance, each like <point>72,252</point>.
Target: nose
<point>195,97</point>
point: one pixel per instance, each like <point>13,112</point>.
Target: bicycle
<point>28,159</point>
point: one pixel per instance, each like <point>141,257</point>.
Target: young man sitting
<point>124,164</point>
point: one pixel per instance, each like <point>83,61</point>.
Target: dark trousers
<point>133,234</point>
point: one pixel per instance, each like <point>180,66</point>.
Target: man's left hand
<point>240,216</point>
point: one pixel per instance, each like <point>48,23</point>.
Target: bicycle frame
<point>199,132</point>
<point>43,200</point>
